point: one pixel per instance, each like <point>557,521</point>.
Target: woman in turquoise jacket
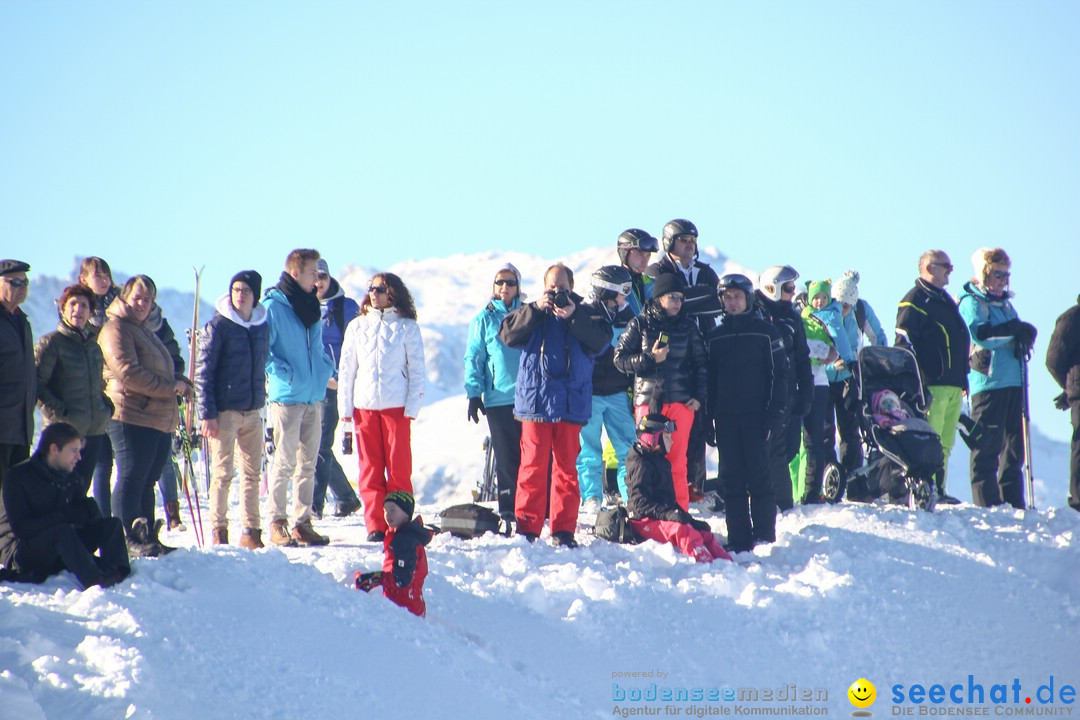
<point>491,369</point>
<point>1001,343</point>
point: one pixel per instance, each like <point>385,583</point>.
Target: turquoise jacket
<point>297,367</point>
<point>978,310</point>
<point>845,335</point>
<point>491,366</point>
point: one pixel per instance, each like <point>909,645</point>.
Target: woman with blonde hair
<point>1000,345</point>
<point>141,381</point>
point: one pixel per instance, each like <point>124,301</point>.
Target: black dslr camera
<point>559,298</point>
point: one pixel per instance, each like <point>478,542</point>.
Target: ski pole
<point>1029,476</point>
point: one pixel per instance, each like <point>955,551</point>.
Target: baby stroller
<point>903,451</point>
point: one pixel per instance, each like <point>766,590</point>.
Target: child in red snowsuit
<point>405,562</point>
<point>654,511</point>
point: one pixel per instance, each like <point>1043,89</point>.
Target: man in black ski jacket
<point>18,374</point>
<point>1063,362</point>
<point>747,388</point>
<point>48,524</point>
<point>774,297</point>
<point>929,324</point>
<point>699,282</point>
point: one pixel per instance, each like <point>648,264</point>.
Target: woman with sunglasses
<point>663,349</point>
<point>380,389</point>
<point>1001,344</point>
<point>491,368</point>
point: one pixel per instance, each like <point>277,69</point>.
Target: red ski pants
<point>680,439</point>
<point>385,460</point>
<point>544,446</point>
<point>702,546</point>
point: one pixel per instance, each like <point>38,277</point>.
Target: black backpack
<point>469,521</point>
<point>613,525</point>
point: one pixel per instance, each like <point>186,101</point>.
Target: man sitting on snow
<point>48,524</point>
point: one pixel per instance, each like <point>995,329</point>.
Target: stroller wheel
<point>832,483</point>
<point>921,494</point>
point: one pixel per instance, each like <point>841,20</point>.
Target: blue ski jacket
<point>978,309</point>
<point>491,366</point>
<point>298,366</point>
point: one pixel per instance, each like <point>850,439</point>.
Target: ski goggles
<point>648,425</point>
<point>621,288</point>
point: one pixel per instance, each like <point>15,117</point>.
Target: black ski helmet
<point>736,281</point>
<point>608,281</point>
<point>635,239</point>
<point>674,229</point>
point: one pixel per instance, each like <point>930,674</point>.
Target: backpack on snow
<point>469,521</point>
<point>613,525</point>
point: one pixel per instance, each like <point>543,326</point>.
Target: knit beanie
<point>403,500</point>
<point>846,289</point>
<point>250,278</point>
<point>818,286</point>
<point>666,283</point>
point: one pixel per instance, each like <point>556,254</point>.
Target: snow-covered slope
<point>527,631</point>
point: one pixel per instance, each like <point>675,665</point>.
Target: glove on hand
<point>700,525</point>
<point>367,581</point>
<point>1024,340</point>
<point>1061,402</point>
<point>476,406</point>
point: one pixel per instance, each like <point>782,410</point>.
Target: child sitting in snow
<point>886,408</point>
<point>405,563</point>
<point>654,513</point>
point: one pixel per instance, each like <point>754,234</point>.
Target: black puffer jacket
<point>70,385</point>
<point>1063,354</point>
<point>800,378</point>
<point>682,376</point>
<point>35,498</point>
<point>231,372</point>
<point>747,368</point>
<point>608,379</point>
<point>651,487</point>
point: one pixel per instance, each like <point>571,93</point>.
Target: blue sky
<point>827,135</point>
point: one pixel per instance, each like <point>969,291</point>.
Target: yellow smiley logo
<point>862,693</point>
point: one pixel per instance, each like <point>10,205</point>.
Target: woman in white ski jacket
<point>380,388</point>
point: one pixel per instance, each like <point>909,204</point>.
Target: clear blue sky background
<point>823,134</point>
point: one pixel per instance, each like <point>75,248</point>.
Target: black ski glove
<point>367,581</point>
<point>700,525</point>
<point>476,406</point>
<point>1061,402</point>
<point>1024,340</point>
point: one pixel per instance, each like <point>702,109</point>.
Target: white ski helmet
<point>774,277</point>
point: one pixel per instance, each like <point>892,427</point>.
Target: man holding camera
<point>559,341</point>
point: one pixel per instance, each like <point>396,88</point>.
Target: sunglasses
<point>686,238</point>
<point>787,287</point>
<point>948,266</point>
<point>511,283</point>
<point>677,297</point>
<point>17,282</point>
<point>1001,274</point>
<point>377,289</point>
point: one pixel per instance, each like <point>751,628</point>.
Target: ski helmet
<point>635,239</point>
<point>651,429</point>
<point>609,281</point>
<point>677,228</point>
<point>736,281</point>
<point>776,276</point>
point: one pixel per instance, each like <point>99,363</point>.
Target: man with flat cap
<point>18,374</point>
